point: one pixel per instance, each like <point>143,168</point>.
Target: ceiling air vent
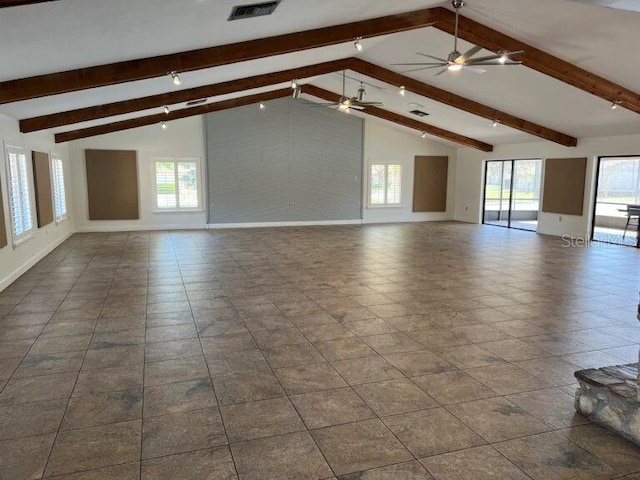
<point>419,113</point>
<point>255,10</point>
<point>193,103</point>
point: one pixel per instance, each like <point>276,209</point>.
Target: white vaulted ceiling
<point>68,34</point>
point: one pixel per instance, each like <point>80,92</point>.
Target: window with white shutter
<point>177,184</point>
<point>59,193</point>
<point>20,210</point>
<point>385,182</point>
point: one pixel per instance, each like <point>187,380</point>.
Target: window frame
<point>176,161</point>
<point>53,158</point>
<point>386,165</point>
<point>19,239</point>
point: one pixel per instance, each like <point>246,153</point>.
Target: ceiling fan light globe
<point>454,67</point>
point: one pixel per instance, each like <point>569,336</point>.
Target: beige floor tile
<point>432,432</point>
<point>507,379</point>
<point>182,432</point>
<point>247,387</point>
<point>288,457</point>
<point>31,419</point>
<point>129,471</point>
<point>25,458</point>
<point>550,456</point>
<point>479,463</point>
<point>552,406</point>
<point>610,448</point>
<point>394,396</point>
<point>95,447</point>
<point>359,446</point>
<point>215,463</point>
<point>109,380</point>
<point>331,407</point>
<point>366,370</point>
<point>178,397</point>
<point>468,356</point>
<point>419,362</point>
<point>264,418</point>
<point>392,343</point>
<point>453,387</point>
<point>103,409</point>
<point>400,471</point>
<point>497,419</point>
<point>344,349</point>
<point>309,378</point>
<point>292,355</point>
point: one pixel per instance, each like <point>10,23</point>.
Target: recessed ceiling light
<point>402,90</point>
<point>176,78</point>
<point>262,106</point>
<point>163,125</point>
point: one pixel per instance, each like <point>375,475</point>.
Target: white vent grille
<point>255,10</point>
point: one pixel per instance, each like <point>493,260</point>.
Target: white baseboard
<point>13,276</point>
<point>221,226</point>
<point>137,228</point>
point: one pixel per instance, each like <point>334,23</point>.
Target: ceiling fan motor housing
<point>457,3</point>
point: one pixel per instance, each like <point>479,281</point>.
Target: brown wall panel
<point>42,183</point>
<point>430,184</point>
<point>564,185</point>
<point>112,184</point>
<point>3,226</point>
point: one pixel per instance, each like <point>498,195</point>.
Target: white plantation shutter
<point>394,179</point>
<point>385,184</point>
<point>177,184</point>
<point>19,193</point>
<point>59,193</point>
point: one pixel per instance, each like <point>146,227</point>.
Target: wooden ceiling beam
<point>167,117</point>
<point>538,60</point>
<point>17,3</point>
<point>461,103</point>
<point>143,68</point>
<point>402,120</point>
<point>156,101</point>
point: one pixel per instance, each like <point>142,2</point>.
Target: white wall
<point>384,143</point>
<point>183,138</point>
<point>470,173</point>
<point>14,261</point>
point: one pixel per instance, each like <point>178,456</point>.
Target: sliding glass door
<point>512,193</point>
<point>617,202</point>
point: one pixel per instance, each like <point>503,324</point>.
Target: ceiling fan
<point>346,103</point>
<point>457,61</point>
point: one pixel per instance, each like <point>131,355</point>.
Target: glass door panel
<point>497,193</point>
<point>525,198</point>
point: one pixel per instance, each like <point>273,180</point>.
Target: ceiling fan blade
<point>332,104</point>
<point>421,68</point>
<point>369,104</point>
<point>471,52</point>
<point>356,107</point>
<point>440,72</point>
<point>440,64</point>
<point>486,58</point>
<point>443,60</point>
<point>471,64</point>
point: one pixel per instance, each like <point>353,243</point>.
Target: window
<point>386,180</point>
<point>59,194</point>
<point>19,194</point>
<point>177,184</point>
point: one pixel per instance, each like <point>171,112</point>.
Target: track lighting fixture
<point>262,106</point>
<point>163,125</point>
<point>166,110</point>
<point>357,44</point>
<point>176,78</point>
<point>297,92</point>
<point>402,90</point>
<point>615,104</point>
<point>495,123</point>
<point>294,84</point>
<point>423,134</point>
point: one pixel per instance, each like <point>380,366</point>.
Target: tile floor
<point>407,352</point>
